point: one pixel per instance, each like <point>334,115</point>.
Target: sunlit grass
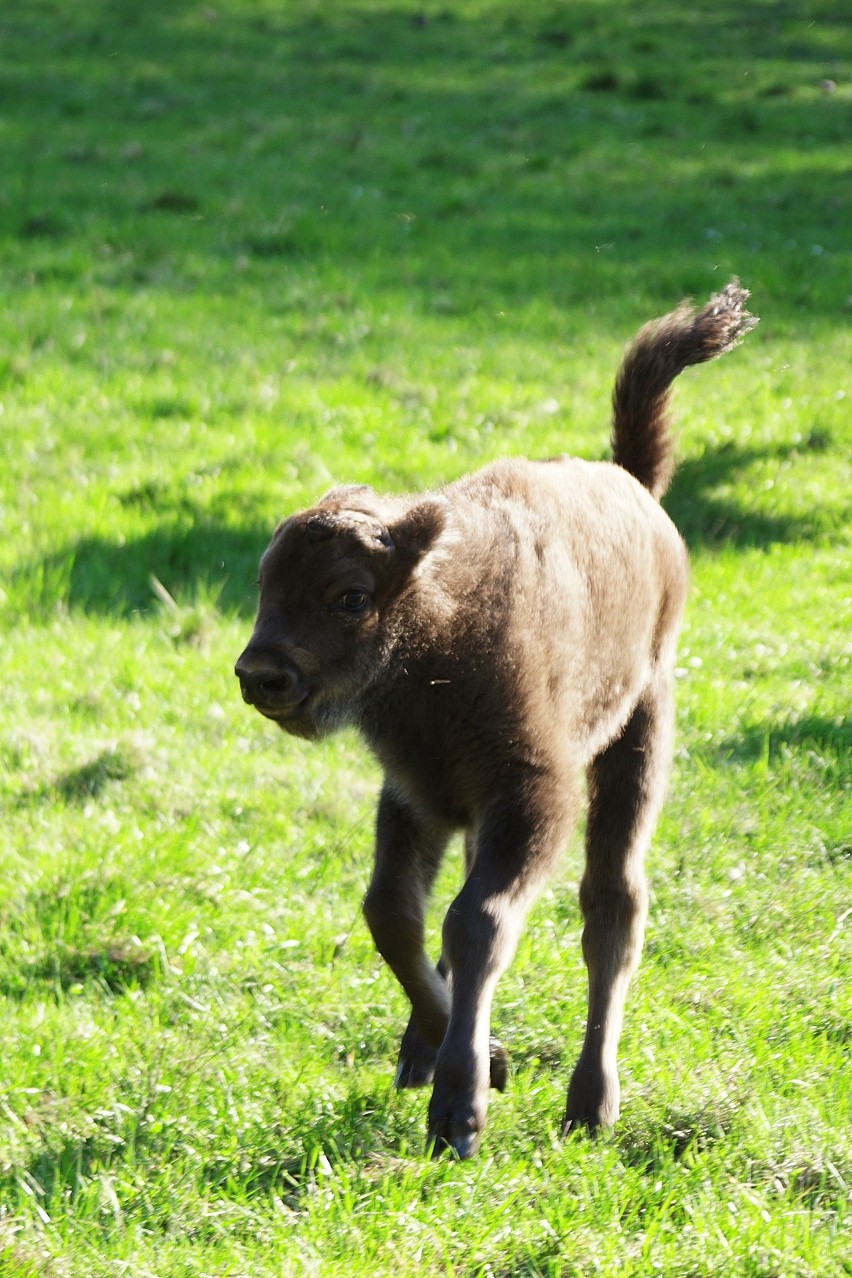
<point>248,250</point>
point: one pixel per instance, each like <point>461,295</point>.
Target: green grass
<point>247,250</point>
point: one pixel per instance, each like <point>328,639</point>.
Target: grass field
<point>250,248</point>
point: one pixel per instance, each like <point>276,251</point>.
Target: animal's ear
<point>415,532</point>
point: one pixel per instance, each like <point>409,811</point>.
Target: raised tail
<point>641,436</point>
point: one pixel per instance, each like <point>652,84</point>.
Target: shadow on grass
<point>810,732</point>
<point>79,943</point>
<point>289,1160</point>
<point>360,1128</point>
<point>647,1144</point>
<point>87,781</point>
<point>494,151</point>
<point>116,965</point>
<point>98,576</point>
<point>456,163</point>
<point>90,779</point>
<point>706,519</point>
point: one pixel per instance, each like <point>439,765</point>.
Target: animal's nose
<point>267,680</point>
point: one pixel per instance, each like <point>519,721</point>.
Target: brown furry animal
<point>495,642</point>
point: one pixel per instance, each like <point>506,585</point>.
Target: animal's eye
<point>353,601</point>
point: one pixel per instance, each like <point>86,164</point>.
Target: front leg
<point>517,841</point>
<point>417,1058</point>
<point>415,1065</point>
<point>409,849</point>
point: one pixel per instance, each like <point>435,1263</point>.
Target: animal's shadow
<point>707,518</point>
<point>192,551</point>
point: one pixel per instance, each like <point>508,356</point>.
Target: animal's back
<point>581,561</point>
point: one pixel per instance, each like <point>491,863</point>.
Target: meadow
<point>249,249</point>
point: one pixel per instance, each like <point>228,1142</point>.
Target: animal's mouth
<point>277,704</point>
<point>277,690</point>
<point>295,720</point>
<point>290,717</point>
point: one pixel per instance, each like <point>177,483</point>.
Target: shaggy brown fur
<point>496,642</point>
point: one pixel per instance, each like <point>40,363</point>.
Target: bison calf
<point>496,642</point>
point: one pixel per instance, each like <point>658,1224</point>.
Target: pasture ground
<point>247,250</point>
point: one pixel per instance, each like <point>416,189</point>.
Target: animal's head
<point>328,583</point>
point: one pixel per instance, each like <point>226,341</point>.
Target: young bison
<point>495,642</point>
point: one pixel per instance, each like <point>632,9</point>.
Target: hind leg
<point>627,783</point>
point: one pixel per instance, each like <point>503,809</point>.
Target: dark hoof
<point>415,1066</point>
<point>593,1101</point>
<point>586,1126</point>
<point>460,1145</point>
<point>456,1123</point>
<point>458,1105</point>
<point>499,1065</point>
